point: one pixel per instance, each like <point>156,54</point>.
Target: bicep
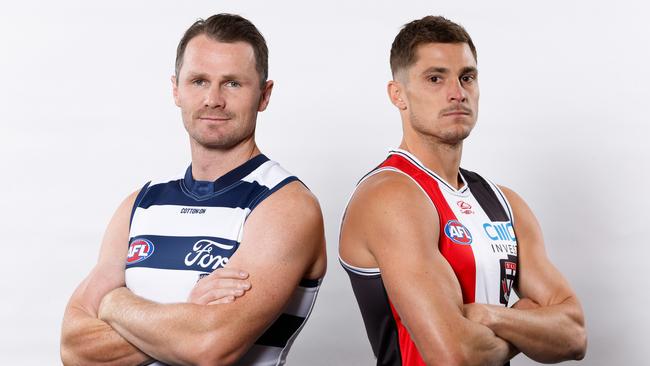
<point>400,227</point>
<point>419,281</point>
<point>281,239</point>
<point>539,280</point>
<point>108,273</point>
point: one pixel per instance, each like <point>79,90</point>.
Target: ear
<point>265,98</point>
<point>175,90</point>
<point>396,94</point>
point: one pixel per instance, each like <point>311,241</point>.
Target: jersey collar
<point>203,188</point>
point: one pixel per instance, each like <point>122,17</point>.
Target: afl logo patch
<point>458,233</point>
<point>139,250</point>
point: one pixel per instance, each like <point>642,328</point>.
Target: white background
<point>87,117</point>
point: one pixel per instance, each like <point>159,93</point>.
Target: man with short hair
<point>178,244</point>
<point>432,250</point>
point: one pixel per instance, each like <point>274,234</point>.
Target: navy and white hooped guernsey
<point>182,230</point>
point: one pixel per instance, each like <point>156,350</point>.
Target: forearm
<point>86,340</point>
<point>170,333</point>
<point>546,334</point>
<point>481,346</point>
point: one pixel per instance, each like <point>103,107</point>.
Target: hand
<point>222,286</point>
<point>525,304</point>
<point>105,306</point>
<point>478,313</point>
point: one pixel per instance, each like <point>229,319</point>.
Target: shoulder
<point>389,192</point>
<point>388,206</point>
<point>292,198</point>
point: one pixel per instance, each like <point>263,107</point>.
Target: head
<point>435,79</point>
<point>220,80</point>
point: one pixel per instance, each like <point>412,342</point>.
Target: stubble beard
<point>453,135</point>
<point>209,137</point>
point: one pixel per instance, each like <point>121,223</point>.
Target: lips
<point>457,113</point>
<point>214,118</point>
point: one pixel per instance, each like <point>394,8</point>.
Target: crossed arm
<point>392,225</point>
<point>547,324</point>
<point>282,243</point>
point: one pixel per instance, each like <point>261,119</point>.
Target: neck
<point>209,164</point>
<point>441,158</point>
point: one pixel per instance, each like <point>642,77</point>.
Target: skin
<point>219,94</point>
<point>392,225</point>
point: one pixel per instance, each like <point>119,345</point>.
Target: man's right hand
<point>222,286</point>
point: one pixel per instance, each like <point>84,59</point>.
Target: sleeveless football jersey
<point>183,229</point>
<point>476,238</point>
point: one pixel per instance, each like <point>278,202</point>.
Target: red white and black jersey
<point>476,237</point>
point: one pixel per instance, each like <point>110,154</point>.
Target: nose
<point>456,92</point>
<point>214,97</point>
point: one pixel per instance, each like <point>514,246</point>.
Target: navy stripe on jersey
<point>199,253</point>
<point>280,331</point>
<point>174,193</point>
<point>226,180</point>
<point>305,282</point>
<point>138,199</point>
<point>267,192</point>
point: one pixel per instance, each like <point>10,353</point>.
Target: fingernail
<point>243,274</point>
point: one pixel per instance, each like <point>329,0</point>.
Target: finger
<point>228,273</point>
<point>214,283</point>
<point>225,300</point>
<point>219,294</point>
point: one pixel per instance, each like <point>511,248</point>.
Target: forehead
<point>454,56</point>
<point>206,55</point>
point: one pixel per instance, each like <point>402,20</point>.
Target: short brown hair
<point>430,29</point>
<point>228,28</point>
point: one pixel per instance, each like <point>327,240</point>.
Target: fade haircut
<point>430,29</point>
<point>228,28</point>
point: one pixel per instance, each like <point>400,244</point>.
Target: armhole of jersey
<point>502,198</point>
<point>374,271</point>
<point>137,201</point>
<point>361,271</point>
<point>265,194</point>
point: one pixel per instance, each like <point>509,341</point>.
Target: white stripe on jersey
<point>167,220</point>
<point>268,174</point>
<point>177,284</point>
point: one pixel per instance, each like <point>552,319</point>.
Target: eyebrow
<point>444,70</point>
<point>469,70</point>
<point>197,74</point>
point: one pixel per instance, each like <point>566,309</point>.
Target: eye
<point>468,78</point>
<point>232,84</point>
<point>435,79</point>
<point>200,82</point>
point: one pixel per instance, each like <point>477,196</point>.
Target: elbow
<point>578,346</point>
<point>213,349</point>
<point>449,357</point>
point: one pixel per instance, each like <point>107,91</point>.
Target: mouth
<point>213,119</point>
<point>457,112</point>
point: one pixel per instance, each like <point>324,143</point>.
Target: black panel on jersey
<point>280,331</point>
<point>309,283</point>
<point>485,196</point>
<point>377,317</point>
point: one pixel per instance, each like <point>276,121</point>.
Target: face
<point>218,92</point>
<point>438,95</point>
